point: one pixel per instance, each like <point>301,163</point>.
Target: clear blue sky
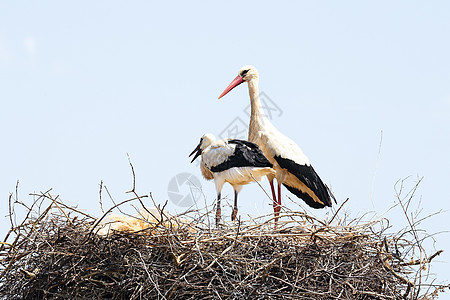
<point>84,83</point>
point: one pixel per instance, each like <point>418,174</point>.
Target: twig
<point>422,262</point>
<point>376,169</point>
<point>337,211</point>
<point>100,200</point>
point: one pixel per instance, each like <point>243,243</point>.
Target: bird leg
<point>219,210</point>
<point>235,209</point>
<point>279,197</point>
<point>275,203</point>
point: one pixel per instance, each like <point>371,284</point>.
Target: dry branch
<point>55,253</point>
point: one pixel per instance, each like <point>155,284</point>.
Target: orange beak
<point>237,81</point>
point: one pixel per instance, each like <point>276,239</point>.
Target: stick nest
<point>56,252</point>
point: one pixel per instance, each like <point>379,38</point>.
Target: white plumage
<point>291,165</point>
<point>234,161</point>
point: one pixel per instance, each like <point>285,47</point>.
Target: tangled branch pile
<point>56,253</point>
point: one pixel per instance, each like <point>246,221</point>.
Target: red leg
<point>275,204</point>
<point>279,198</point>
<point>219,211</point>
<point>235,208</point>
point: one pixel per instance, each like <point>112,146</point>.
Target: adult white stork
<point>292,167</point>
<point>234,161</point>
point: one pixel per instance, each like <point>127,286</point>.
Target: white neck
<point>257,117</point>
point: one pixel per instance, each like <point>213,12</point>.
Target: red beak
<point>237,81</point>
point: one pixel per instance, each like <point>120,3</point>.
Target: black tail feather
<point>308,176</point>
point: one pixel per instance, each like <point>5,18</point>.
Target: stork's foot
<point>218,214</point>
<point>276,209</point>
<point>234,214</point>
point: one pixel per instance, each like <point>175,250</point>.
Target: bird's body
<point>225,161</point>
<point>234,161</point>
<point>291,165</point>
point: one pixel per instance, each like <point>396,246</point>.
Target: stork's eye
<point>243,73</point>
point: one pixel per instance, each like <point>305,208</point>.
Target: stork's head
<point>205,141</point>
<point>246,73</point>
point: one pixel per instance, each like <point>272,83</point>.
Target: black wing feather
<point>309,177</point>
<point>251,145</point>
<point>246,154</point>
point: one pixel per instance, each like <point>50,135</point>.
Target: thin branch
<point>376,169</point>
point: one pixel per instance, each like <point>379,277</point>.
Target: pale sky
<point>84,83</point>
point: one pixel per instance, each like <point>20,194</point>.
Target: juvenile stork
<point>292,167</point>
<point>234,161</point>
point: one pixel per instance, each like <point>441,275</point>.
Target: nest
<point>58,252</point>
